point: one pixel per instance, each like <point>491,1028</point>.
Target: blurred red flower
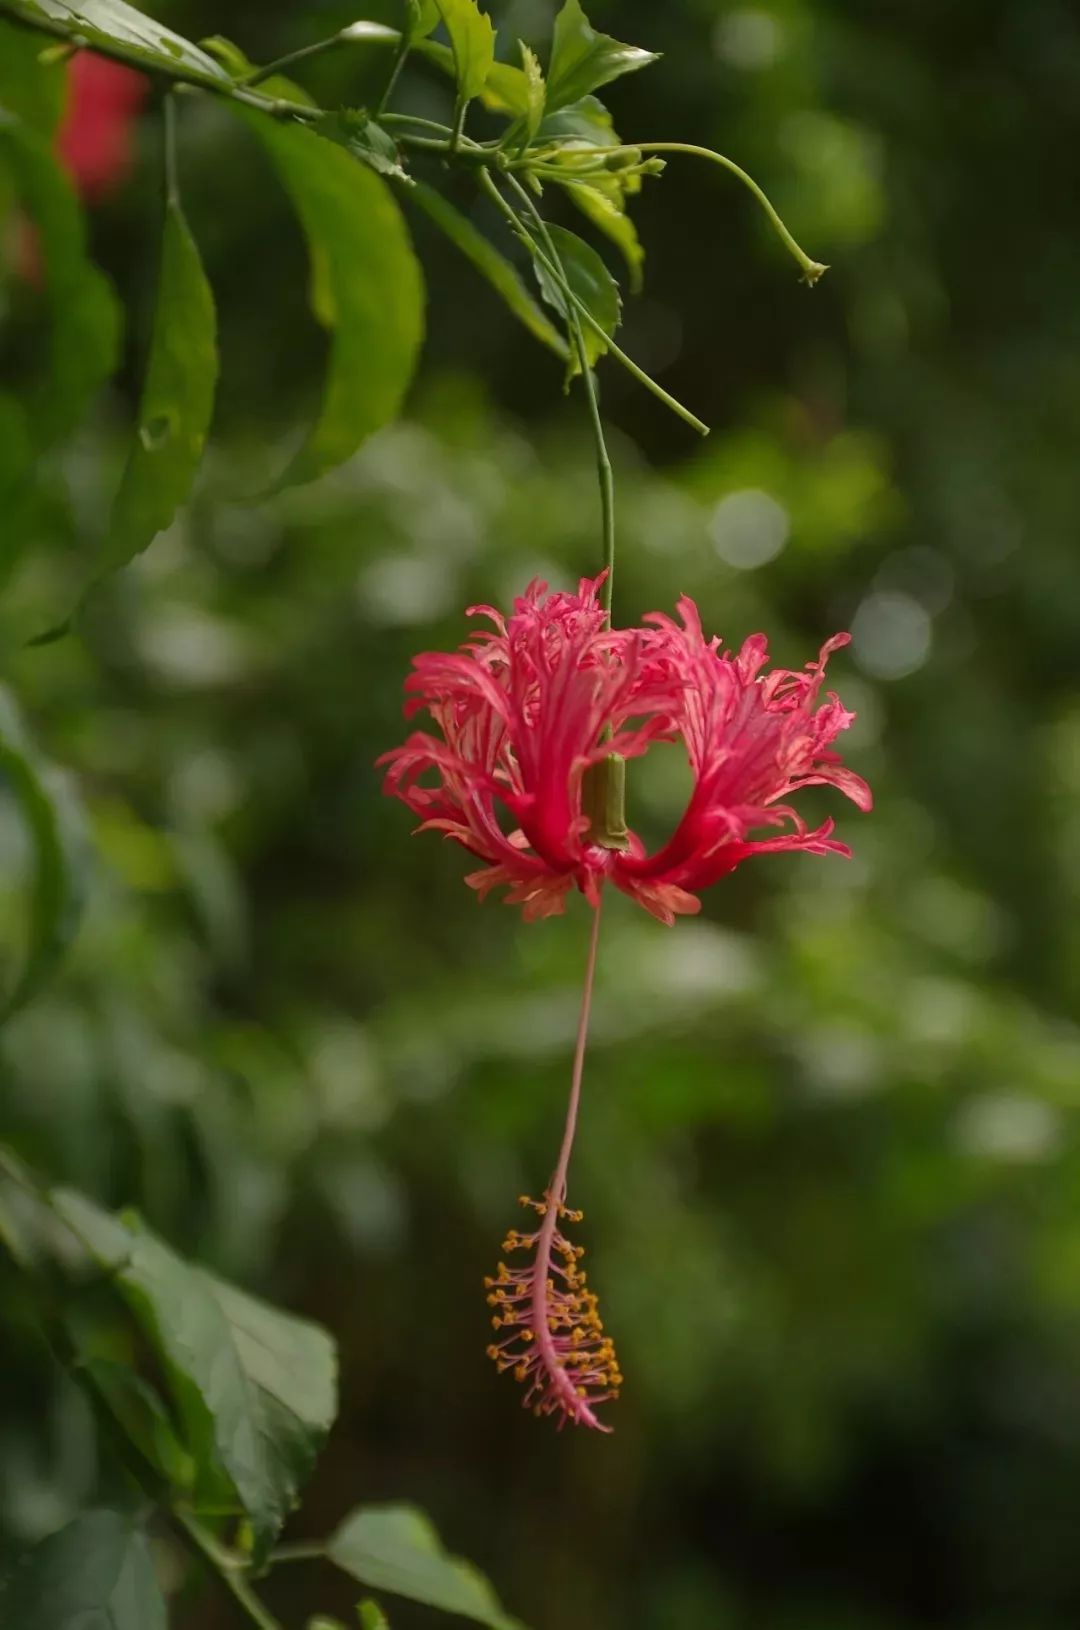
<point>95,139</point>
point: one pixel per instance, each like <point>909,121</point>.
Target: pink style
<point>525,710</point>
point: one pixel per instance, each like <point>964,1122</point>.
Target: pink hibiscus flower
<point>525,712</point>
<point>535,719</point>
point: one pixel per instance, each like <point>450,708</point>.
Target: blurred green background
<point>828,1157</point>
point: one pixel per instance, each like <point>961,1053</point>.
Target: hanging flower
<point>535,718</point>
<point>527,711</point>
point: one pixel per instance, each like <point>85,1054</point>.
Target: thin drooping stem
<point>603,462</point>
<point>812,270</point>
<point>400,57</point>
<point>291,58</point>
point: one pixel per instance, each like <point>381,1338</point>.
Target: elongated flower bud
<point>553,1339</point>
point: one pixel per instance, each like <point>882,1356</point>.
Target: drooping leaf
<point>472,40</point>
<point>57,889</point>
<point>111,22</point>
<point>32,89</point>
<point>537,93</point>
<point>604,209</point>
<point>84,315</point>
<point>367,289</point>
<point>177,400</point>
<point>593,284</point>
<point>363,137</point>
<point>254,1387</point>
<point>490,263</point>
<point>582,60</point>
<point>396,1548</point>
<point>95,1574</point>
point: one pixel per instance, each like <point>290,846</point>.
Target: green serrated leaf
<point>177,401</point>
<point>111,22</point>
<point>369,287</point>
<point>491,264</point>
<point>606,213</point>
<point>536,91</point>
<point>85,322</point>
<point>255,1388</point>
<point>472,41</point>
<point>593,284</point>
<point>54,822</point>
<point>35,91</point>
<point>505,90</point>
<point>396,1548</point>
<point>361,135</point>
<point>95,1574</point>
<point>582,60</point>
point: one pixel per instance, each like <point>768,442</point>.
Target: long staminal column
<point>554,1339</point>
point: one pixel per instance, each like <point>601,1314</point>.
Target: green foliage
<point>83,312</point>
<point>110,23</point>
<point>255,1388</point>
<point>177,400</point>
<point>592,284</point>
<point>500,273</point>
<point>58,869</point>
<point>95,1572</point>
<point>472,41</point>
<point>395,1548</point>
<point>582,60</point>
<point>366,290</point>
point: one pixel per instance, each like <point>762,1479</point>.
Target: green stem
<point>290,58</point>
<point>400,57</point>
<point>230,1570</point>
<point>172,173</point>
<point>812,270</point>
<point>588,378</point>
<point>301,1551</point>
<point>650,384</point>
<point>459,124</point>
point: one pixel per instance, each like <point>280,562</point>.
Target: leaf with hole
<point>491,264</point>
<point>592,283</point>
<point>396,1548</point>
<point>255,1388</point>
<point>84,316</point>
<point>60,856</point>
<point>95,1574</point>
<point>367,290</point>
<point>177,401</point>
